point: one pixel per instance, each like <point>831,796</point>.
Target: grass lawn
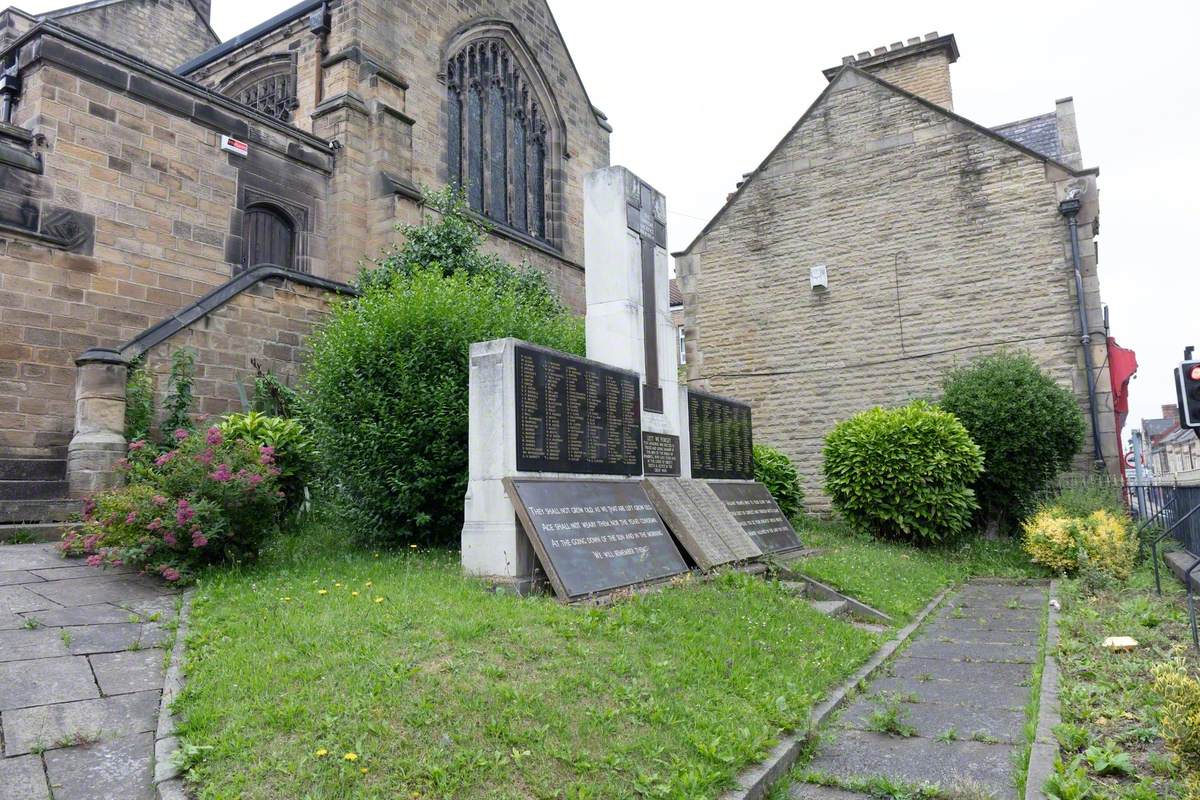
<point>1109,707</point>
<point>900,579</point>
<point>442,690</point>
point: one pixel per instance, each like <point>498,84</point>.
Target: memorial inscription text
<point>721,438</point>
<point>575,416</point>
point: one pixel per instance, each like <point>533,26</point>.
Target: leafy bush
<point>1069,544</point>
<point>1029,427</point>
<point>1180,691</point>
<point>139,401</point>
<point>286,441</point>
<point>903,473</point>
<point>777,472</point>
<point>386,384</point>
<point>179,391</point>
<point>209,499</point>
<point>1094,493</point>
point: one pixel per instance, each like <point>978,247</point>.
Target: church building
<point>162,189</point>
<point>905,239</point>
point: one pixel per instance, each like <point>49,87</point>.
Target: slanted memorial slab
<point>758,514</point>
<point>700,521</point>
<point>594,536</point>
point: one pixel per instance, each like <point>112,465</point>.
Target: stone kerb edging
<point>755,781</point>
<point>168,783</point>
<point>1044,749</point>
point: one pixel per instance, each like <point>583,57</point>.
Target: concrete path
<point>958,695</point>
<point>80,677</point>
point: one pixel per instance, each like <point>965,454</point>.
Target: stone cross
<point>645,214</point>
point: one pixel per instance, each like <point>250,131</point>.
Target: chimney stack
<point>921,66</point>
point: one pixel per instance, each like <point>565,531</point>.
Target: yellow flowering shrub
<point>1056,540</point>
<point>1181,721</point>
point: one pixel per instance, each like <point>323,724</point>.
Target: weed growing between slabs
<point>900,579</point>
<point>327,672</point>
<point>1110,739</point>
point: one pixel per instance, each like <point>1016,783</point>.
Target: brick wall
<point>941,244</point>
<point>165,202</point>
<point>163,32</point>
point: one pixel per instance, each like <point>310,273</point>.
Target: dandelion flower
<point>413,546</point>
<point>378,599</point>
<point>363,770</point>
<point>286,599</point>
<point>321,753</point>
<point>368,583</point>
<point>322,591</point>
<point>354,594</point>
<point>350,757</point>
<point>337,586</point>
<point>376,555</point>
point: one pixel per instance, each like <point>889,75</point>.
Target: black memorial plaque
<point>594,536</point>
<point>660,454</point>
<point>756,511</point>
<point>722,444</point>
<point>576,416</point>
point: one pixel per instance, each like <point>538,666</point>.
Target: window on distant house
<point>503,138</point>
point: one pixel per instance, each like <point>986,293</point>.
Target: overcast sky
<point>699,92</point>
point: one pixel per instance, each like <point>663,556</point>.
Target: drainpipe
<point>1069,208</point>
<point>10,89</point>
<point>320,22</point>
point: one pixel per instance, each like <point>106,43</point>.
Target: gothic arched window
<point>502,134</point>
<point>267,85</point>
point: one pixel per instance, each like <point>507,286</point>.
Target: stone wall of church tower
<point>164,32</point>
<point>373,77</point>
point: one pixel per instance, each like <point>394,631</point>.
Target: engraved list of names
<point>721,438</point>
<point>576,416</point>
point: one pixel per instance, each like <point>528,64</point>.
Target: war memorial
<point>605,473</point>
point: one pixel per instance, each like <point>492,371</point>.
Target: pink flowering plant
<point>210,499</point>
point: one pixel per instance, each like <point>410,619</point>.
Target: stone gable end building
<point>942,240</point>
<point>160,189</point>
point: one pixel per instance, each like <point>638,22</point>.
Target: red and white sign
<point>235,146</point>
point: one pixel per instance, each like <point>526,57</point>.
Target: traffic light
<point>1187,387</point>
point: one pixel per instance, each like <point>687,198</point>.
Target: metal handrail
<point>1154,546</point>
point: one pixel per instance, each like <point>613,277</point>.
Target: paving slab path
<point>81,668</point>
<point>960,689</point>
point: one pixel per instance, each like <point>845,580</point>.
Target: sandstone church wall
<point>941,244</point>
<point>140,164</point>
<point>265,328</point>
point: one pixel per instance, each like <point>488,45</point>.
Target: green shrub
<point>179,393</point>
<point>1093,493</point>
<point>1070,544</point>
<point>285,442</point>
<point>777,472</point>
<point>139,401</point>
<point>210,498</point>
<point>1029,427</point>
<point>1180,690</point>
<point>386,390</point>
<point>903,473</point>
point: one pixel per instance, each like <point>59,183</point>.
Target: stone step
<point>27,532</point>
<point>798,588</point>
<point>834,608</point>
<point>33,469</point>
<point>33,490</point>
<point>58,510</point>
<point>1181,563</point>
